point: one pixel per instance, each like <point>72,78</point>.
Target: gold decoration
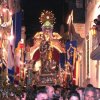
<point>47,16</point>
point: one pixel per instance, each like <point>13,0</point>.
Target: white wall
<point>93,10</point>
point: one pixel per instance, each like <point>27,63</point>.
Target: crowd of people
<point>58,93</point>
<point>50,92</point>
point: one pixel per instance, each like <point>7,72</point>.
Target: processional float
<point>48,55</point>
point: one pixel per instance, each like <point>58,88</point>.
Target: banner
<point>11,75</point>
<point>17,23</point>
<point>71,58</point>
<point>62,60</point>
<point>71,53</point>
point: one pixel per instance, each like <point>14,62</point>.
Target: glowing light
<point>4,10</point>
<point>93,30</point>
<point>53,67</point>
<point>70,18</point>
<point>4,50</point>
<point>0,35</point>
<point>22,41</point>
<point>47,17</point>
<point>21,63</point>
<point>10,13</point>
<point>10,38</point>
<point>37,65</point>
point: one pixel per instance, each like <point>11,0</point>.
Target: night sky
<point>32,11</point>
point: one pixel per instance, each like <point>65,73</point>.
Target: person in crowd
<point>89,85</point>
<point>41,95</point>
<point>80,91</point>
<point>90,93</point>
<point>51,92</point>
<point>58,90</point>
<point>98,93</point>
<point>30,93</point>
<point>73,95</point>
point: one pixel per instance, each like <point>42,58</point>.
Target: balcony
<point>95,54</point>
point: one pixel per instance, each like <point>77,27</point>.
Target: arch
<point>55,44</point>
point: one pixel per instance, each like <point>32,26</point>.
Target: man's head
<point>50,92</point>
<point>73,95</point>
<point>41,95</point>
<point>89,93</point>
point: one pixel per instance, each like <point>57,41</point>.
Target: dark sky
<point>32,11</point>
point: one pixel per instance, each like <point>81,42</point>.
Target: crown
<point>47,19</point>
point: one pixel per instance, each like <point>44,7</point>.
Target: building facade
<point>91,43</point>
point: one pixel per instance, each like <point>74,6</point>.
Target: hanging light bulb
<point>93,30</point>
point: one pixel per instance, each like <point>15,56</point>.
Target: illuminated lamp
<point>93,30</point>
<point>22,44</point>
